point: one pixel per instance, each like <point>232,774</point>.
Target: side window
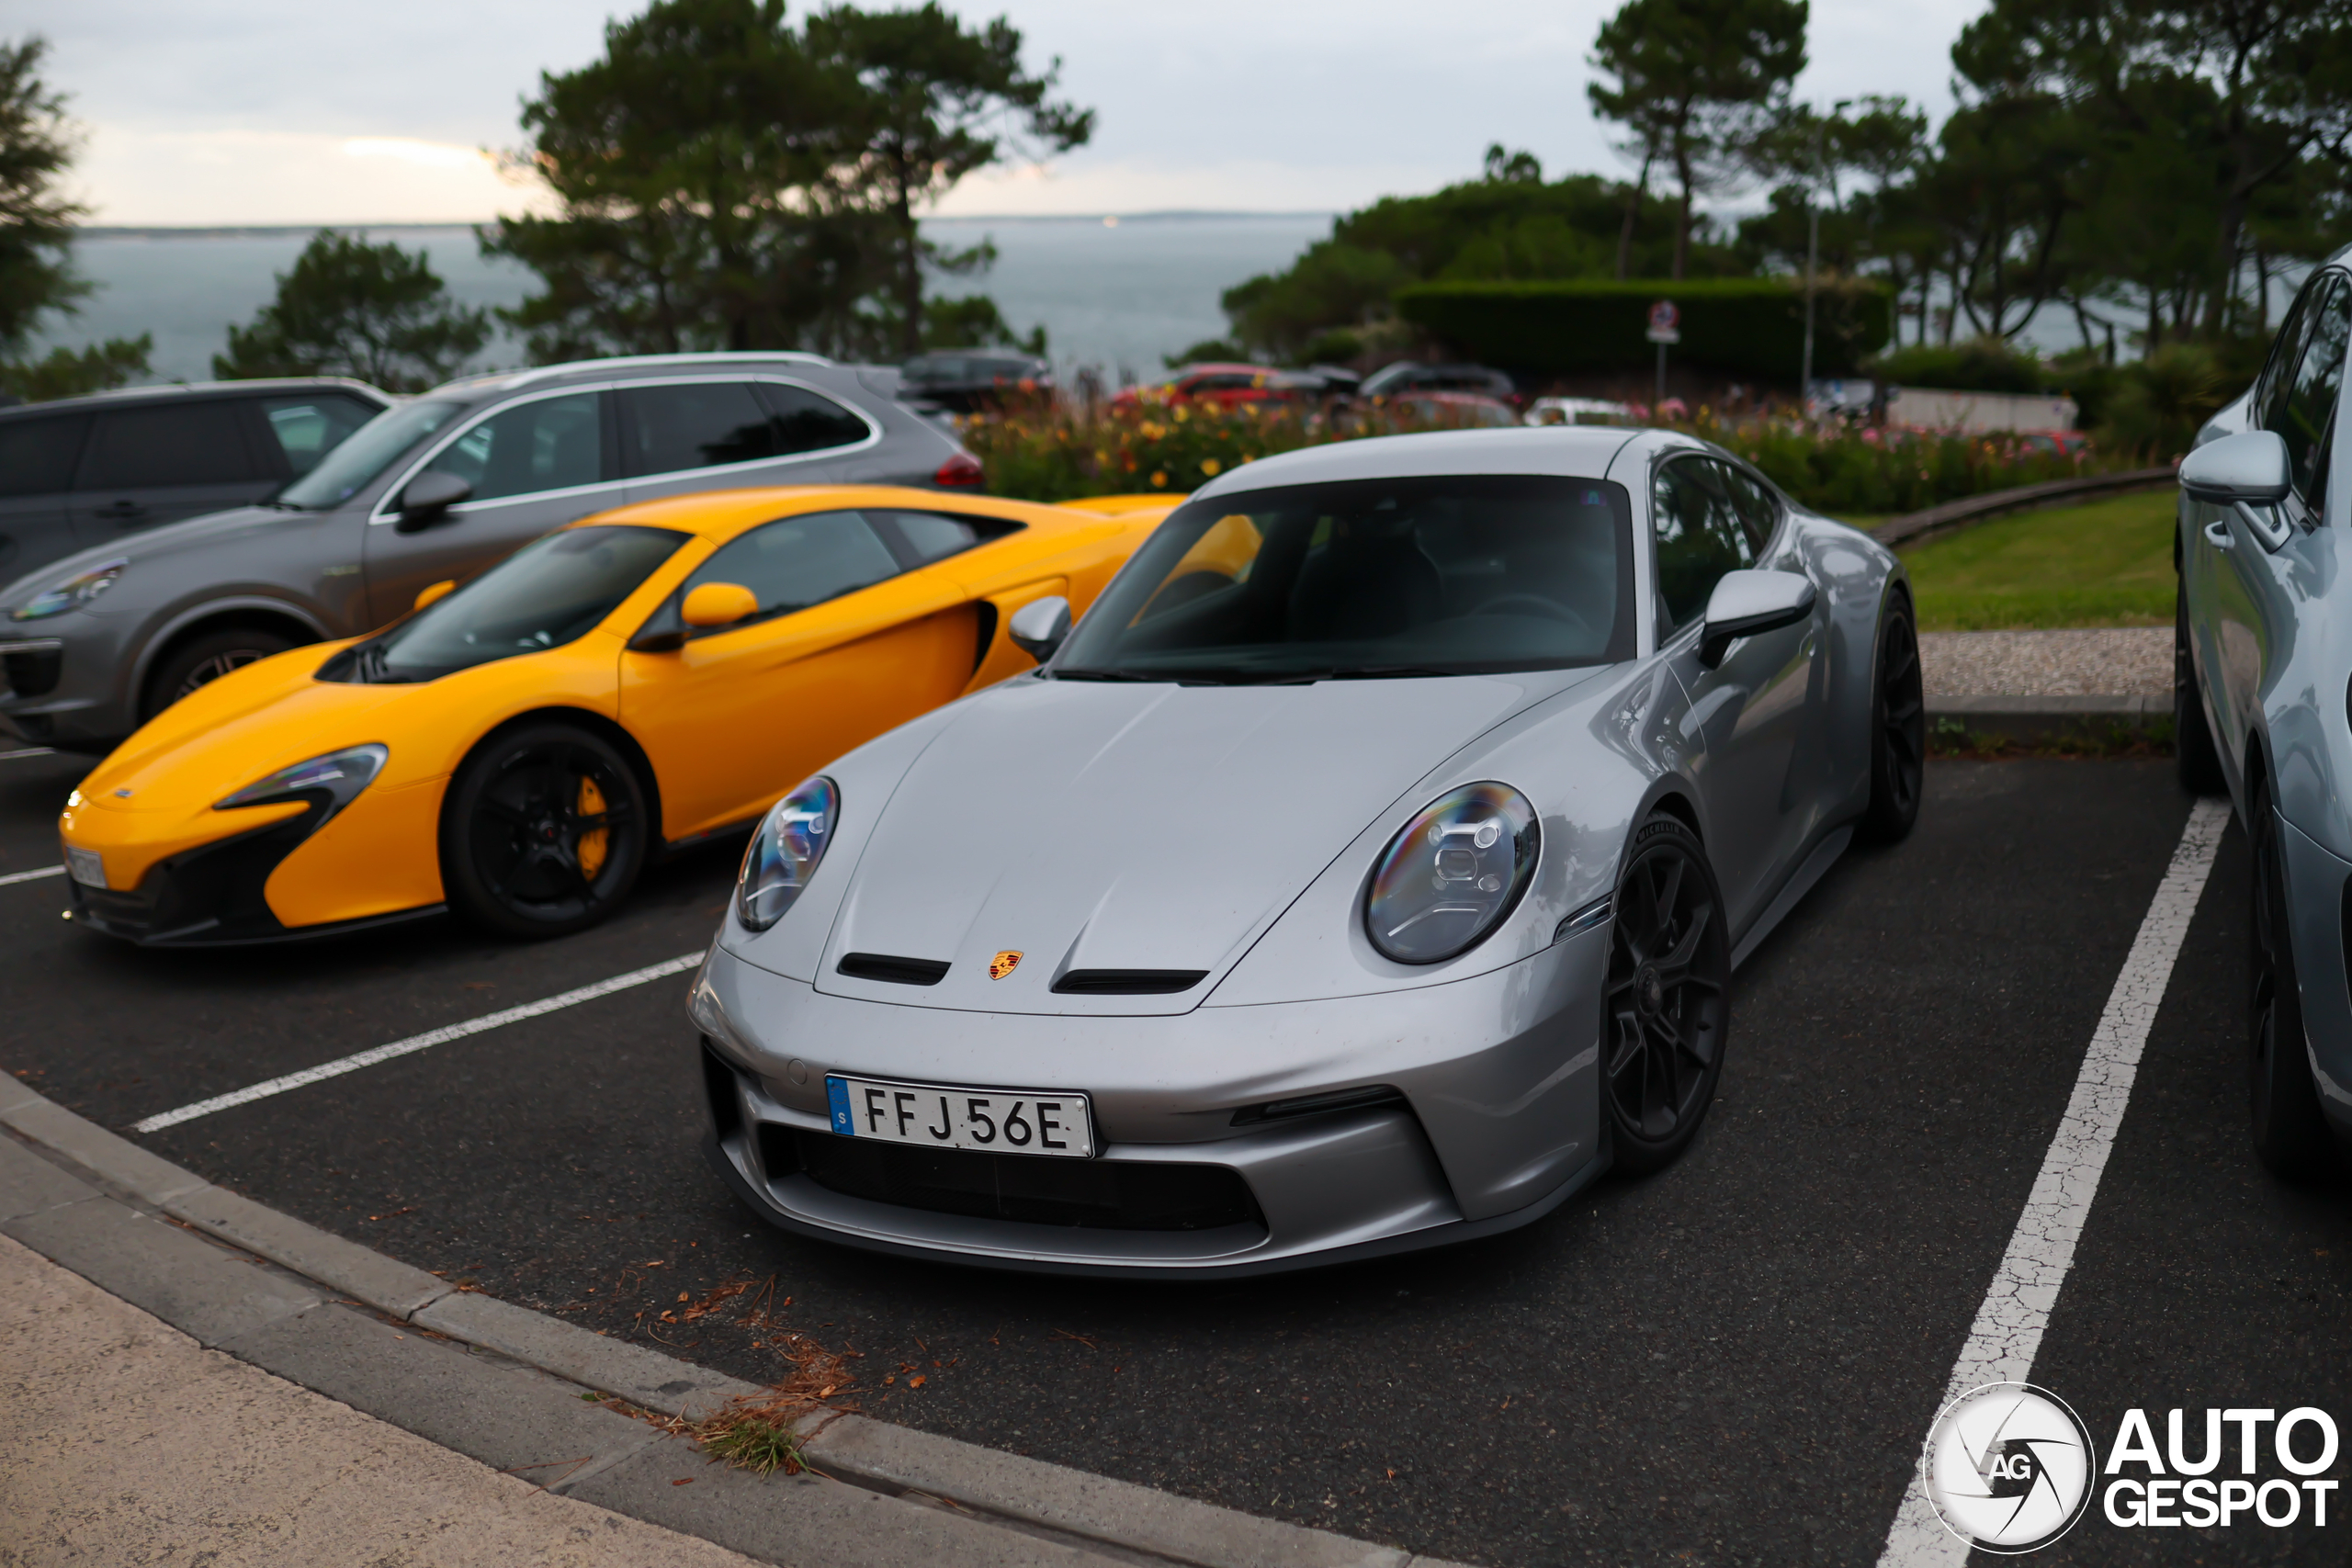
<point>2270,390</point>
<point>2306,406</point>
<point>800,561</point>
<point>547,444</point>
<point>695,425</point>
<point>181,444</point>
<point>1700,537</point>
<point>1758,508</point>
<point>809,421</point>
<point>308,428</point>
<point>929,535</point>
<point>37,456</point>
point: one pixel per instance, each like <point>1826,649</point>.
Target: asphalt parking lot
<point>1734,1360</point>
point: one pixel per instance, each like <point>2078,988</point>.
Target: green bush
<point>2158,403</point>
<point>1752,326</point>
<point>1861,471</point>
<point>1979,365</point>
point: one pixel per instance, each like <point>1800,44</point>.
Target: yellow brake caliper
<point>591,848</point>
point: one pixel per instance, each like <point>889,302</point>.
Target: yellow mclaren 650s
<point>517,746</point>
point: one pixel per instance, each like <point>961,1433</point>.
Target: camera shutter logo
<point>2010,1467</point>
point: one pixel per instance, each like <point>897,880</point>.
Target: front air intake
<point>1128,982</point>
<point>896,971</point>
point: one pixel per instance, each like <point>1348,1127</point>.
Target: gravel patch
<point>2107,662</point>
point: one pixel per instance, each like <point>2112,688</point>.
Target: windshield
<point>1425,576</point>
<point>548,593</point>
<point>368,451</point>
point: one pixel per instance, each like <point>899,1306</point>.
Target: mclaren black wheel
<point>1668,1010</point>
<point>1898,729</point>
<point>2290,1132</point>
<point>2193,751</point>
<point>543,832</point>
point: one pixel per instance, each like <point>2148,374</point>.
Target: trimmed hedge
<point>1752,326</point>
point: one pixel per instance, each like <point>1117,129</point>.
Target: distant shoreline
<point>281,231</point>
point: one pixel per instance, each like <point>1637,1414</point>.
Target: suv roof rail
<point>731,357</point>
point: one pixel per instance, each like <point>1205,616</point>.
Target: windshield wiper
<point>1353,672</point>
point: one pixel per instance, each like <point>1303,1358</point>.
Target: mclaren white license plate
<point>85,867</point>
<point>934,1116</point>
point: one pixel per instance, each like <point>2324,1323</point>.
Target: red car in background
<point>1229,385</point>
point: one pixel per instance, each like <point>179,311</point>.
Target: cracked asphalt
<point>1733,1361</point>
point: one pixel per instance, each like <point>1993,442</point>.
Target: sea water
<point>1117,294</point>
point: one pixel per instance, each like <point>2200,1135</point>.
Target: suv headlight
<point>70,594</point>
<point>784,851</point>
<point>1448,879</point>
<point>338,775</point>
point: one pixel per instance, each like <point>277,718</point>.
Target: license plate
<point>85,867</point>
<point>935,1116</point>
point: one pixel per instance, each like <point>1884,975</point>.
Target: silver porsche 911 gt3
<point>1366,871</point>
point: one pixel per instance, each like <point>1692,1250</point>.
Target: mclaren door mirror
<point>714,604</point>
<point>2239,473</point>
<point>1746,602</point>
<point>426,502</point>
<point>1038,627</point>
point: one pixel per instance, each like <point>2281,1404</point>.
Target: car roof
<point>507,381</point>
<point>177,391</point>
<point>1571,451</point>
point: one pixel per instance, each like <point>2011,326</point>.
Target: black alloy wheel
<point>2194,753</point>
<point>2289,1131</point>
<point>543,831</point>
<point>1898,729</point>
<point>1667,1015</point>
<point>204,660</point>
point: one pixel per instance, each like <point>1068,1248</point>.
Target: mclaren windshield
<point>1452,575</point>
<point>551,592</point>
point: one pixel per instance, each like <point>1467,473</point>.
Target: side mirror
<point>427,500</point>
<point>2248,468</point>
<point>1038,627</point>
<point>1745,603</point>
<point>434,594</point>
<point>718,604</point>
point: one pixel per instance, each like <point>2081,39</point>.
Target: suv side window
<point>546,444</point>
<point>37,456</point>
<point>797,562</point>
<point>2304,409</point>
<point>808,422</point>
<point>307,428</point>
<point>700,424</point>
<point>179,443</point>
<point>1700,537</point>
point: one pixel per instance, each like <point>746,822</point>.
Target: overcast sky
<point>324,111</point>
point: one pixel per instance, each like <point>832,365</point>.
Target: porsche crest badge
<point>1003,963</point>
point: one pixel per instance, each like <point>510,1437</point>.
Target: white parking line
<point>29,751</point>
<point>2008,1328</point>
<point>32,875</point>
<point>415,1043</point>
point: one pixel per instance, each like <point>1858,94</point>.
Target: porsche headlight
<point>339,775</point>
<point>785,853</point>
<point>70,594</point>
<point>1448,879</point>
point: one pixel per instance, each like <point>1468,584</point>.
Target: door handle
<point>2217,534</point>
<point>122,511</point>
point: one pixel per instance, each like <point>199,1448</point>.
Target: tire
<point>2194,753</point>
<point>1899,729</point>
<point>2290,1132</point>
<point>1666,1013</point>
<point>543,831</point>
<point>205,659</point>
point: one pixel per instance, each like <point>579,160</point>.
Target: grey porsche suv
<point>439,487</point>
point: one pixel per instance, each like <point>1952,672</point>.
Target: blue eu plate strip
<point>837,1096</point>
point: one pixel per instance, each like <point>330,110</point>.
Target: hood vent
<point>897,971</point>
<point>1128,982</point>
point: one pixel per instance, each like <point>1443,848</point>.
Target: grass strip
<point>2106,563</point>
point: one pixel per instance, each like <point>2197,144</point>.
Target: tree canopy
<point>349,308</point>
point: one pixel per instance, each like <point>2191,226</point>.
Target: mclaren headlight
<point>1447,880</point>
<point>338,777</point>
<point>785,853</point>
<point>70,594</point>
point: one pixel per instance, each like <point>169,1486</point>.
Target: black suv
<point>84,471</point>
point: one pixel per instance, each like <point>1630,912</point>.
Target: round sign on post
<point>1666,322</point>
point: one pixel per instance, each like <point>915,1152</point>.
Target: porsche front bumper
<point>1495,1123</point>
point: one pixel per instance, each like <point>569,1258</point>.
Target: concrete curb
<point>1914,525</point>
<point>513,1397</point>
<point>2031,717</point>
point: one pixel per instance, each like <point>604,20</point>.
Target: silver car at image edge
<point>2262,649</point>
<point>1365,873</point>
<point>437,487</point>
